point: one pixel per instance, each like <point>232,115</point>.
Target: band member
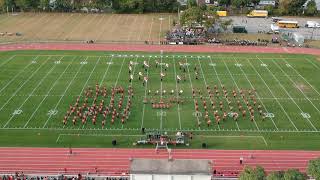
<point>178,78</point>
<point>140,75</point>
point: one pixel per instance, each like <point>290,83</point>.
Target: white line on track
<point>18,89</point>
<point>258,97</point>
<point>34,89</point>
<point>273,94</point>
<point>45,124</point>
<point>214,68</point>
<point>45,97</point>
<point>177,93</point>
<point>149,36</point>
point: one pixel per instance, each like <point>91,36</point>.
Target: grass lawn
<point>37,88</point>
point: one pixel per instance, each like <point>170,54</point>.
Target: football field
<point>236,101</point>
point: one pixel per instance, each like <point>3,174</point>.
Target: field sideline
<point>37,88</point>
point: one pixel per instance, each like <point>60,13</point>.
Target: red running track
<point>157,48</point>
<point>116,161</point>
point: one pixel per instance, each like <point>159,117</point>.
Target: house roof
<point>165,166</point>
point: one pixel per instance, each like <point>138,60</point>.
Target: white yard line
<point>116,83</point>
<point>55,108</point>
<point>310,61</point>
<point>145,96</point>
<point>239,90</point>
<point>288,94</point>
<point>34,89</point>
<point>258,97</point>
<point>47,94</point>
<point>4,62</point>
<point>105,73</point>
<point>221,84</point>
<point>191,85</point>
<point>300,91</point>
<point>302,77</point>
<point>21,71</point>
<point>205,82</point>
<point>17,90</point>
<point>273,95</point>
<point>161,91</point>
<point>177,91</point>
<point>134,68</point>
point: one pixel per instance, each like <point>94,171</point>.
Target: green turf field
<point>37,88</point>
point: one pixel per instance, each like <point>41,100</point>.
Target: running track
<point>117,161</point>
<point>156,48</point>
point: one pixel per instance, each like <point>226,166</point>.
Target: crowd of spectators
<point>186,35</point>
<point>237,42</point>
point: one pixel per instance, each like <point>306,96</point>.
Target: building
<point>267,3</point>
<point>317,4</point>
<point>162,169</point>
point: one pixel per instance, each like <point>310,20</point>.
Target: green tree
<point>314,168</point>
<point>295,7</point>
<point>224,24</point>
<point>128,6</point>
<point>239,3</point>
<point>192,3</point>
<point>44,4</point>
<point>224,3</point>
<point>192,15</point>
<point>311,8</point>
<point>250,173</point>
<point>284,6</point>
<point>21,4</point>
<point>277,175</point>
<point>294,174</point>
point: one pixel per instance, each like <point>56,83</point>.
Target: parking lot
<point>255,25</point>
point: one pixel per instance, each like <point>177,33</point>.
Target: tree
<point>311,8</point>
<point>294,174</point>
<point>284,6</point>
<point>44,4</point>
<point>239,3</point>
<point>192,15</point>
<point>296,7</point>
<point>191,3</point>
<point>250,173</point>
<point>224,24</point>
<point>277,175</point>
<point>314,168</point>
<point>224,3</point>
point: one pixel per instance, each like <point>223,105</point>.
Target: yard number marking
<point>263,65</point>
<point>288,65</point>
<point>161,113</point>
<point>84,62</point>
<point>305,115</point>
<point>33,62</point>
<point>17,112</point>
<point>197,114</point>
<point>238,65</point>
<point>212,64</point>
<point>269,115</point>
<point>109,63</point>
<point>52,112</point>
<point>230,114</point>
<point>57,62</point>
